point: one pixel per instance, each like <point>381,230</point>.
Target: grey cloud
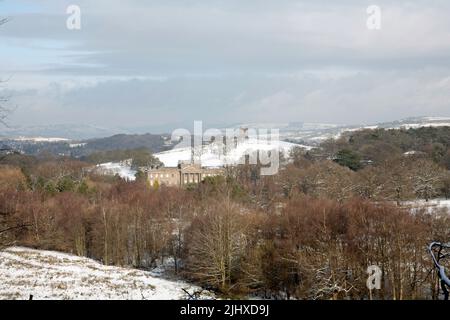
<point>357,98</point>
<point>231,61</point>
<point>201,36</point>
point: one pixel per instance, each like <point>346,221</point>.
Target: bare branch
<point>15,228</point>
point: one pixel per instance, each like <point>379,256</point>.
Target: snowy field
<point>212,155</point>
<point>52,275</point>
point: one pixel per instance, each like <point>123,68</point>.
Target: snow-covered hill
<point>315,133</point>
<point>212,155</point>
<point>417,122</point>
<point>54,275</point>
<point>123,169</point>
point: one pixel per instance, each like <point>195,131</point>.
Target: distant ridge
<point>296,131</point>
<point>64,131</point>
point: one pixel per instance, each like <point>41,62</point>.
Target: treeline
<point>141,157</point>
<point>49,174</point>
<point>398,179</point>
<point>153,142</point>
<point>375,164</point>
<point>378,145</point>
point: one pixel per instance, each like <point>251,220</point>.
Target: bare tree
<point>6,227</point>
<point>216,245</point>
<point>427,179</point>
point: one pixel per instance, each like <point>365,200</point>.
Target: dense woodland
<point>141,157</point>
<point>309,232</point>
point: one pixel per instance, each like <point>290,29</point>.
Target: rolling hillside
<point>53,275</point>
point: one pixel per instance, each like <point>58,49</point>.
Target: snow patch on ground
<point>113,168</point>
<point>424,125</point>
<point>430,205</point>
<point>49,275</point>
<point>41,139</point>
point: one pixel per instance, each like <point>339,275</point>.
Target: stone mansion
<point>184,174</point>
<point>188,172</point>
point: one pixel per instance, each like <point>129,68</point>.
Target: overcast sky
<point>166,63</point>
